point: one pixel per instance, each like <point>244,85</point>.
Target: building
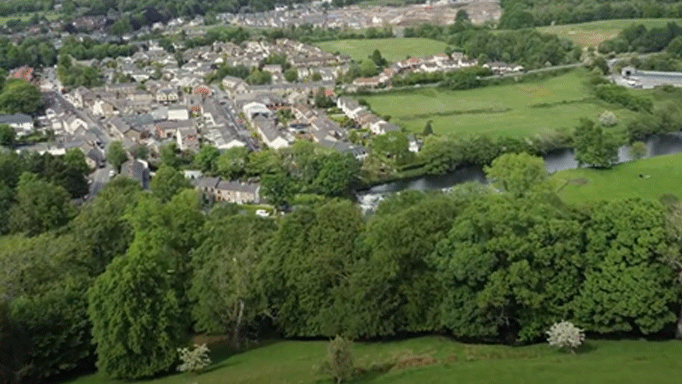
<point>22,124</point>
<point>178,113</point>
<point>268,132</point>
<point>137,170</point>
<point>188,139</point>
<point>215,189</point>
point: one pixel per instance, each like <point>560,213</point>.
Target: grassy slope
<point>622,362</point>
<point>392,49</point>
<point>496,110</point>
<point>593,33</point>
<point>26,16</point>
<point>587,185</point>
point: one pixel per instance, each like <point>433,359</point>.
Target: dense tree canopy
<point>19,96</point>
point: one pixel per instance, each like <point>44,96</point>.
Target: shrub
<point>637,150</point>
<point>340,359</point>
<point>608,119</point>
<point>194,360</point>
<point>565,335</point>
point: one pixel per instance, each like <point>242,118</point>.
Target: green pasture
<point>393,49</point>
<point>593,33</point>
<point>26,16</point>
<point>520,110</point>
<point>659,176</point>
<point>439,360</point>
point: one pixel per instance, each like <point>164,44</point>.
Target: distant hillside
<point>528,13</point>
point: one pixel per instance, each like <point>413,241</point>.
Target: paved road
<point>99,178</point>
<point>229,108</point>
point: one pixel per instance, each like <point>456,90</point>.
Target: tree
<point>121,27</point>
<point>262,162</point>
<point>291,75</point>
<point>169,155</point>
<point>626,287</point>
<point>674,48</point>
<point>7,136</point>
<point>565,335</point>
<point>593,146</point>
<point>368,68</point>
<point>135,314</point>
<point>233,162</point>
<point>75,159</point>
<point>140,151</point>
<point>14,349</point>
<point>462,17</point>
<point>19,96</point>
<point>336,174</point>
<point>277,189</point>
<point>316,76</point>
<point>167,182</point>
<point>637,150</point>
<point>340,359</point>
<point>608,119</point>
<point>116,155</point>
<point>309,261</point>
<point>206,158</point>
<point>195,360</point>
<point>41,206</point>
<point>518,174</point>
<point>102,228</point>
<point>378,60</point>
<point>510,267</point>
<point>428,129</point>
<point>224,288</point>
<point>393,144</point>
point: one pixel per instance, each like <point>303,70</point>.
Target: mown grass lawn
<point>392,49</point>
<point>593,33</point>
<point>439,360</point>
<point>520,110</point>
<point>660,175</point>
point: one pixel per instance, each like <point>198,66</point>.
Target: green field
<point>26,16</point>
<point>393,49</point>
<point>510,110</point>
<point>661,175</point>
<point>593,33</point>
<point>439,360</point>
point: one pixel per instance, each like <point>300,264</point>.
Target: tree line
<point>125,282</point>
<point>528,13</point>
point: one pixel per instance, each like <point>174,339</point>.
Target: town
<point>340,191</point>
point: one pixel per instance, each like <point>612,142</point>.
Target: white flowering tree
<point>194,360</point>
<point>565,335</point>
<point>608,119</point>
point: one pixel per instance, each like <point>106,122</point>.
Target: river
<point>658,145</point>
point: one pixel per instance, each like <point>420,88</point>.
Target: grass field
<point>510,110</point>
<point>26,16</point>
<point>662,175</point>
<point>593,33</point>
<point>393,49</point>
<point>438,360</point>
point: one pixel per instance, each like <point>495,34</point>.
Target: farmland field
<point>393,49</point>
<point>593,33</point>
<point>659,175</point>
<point>622,362</point>
<point>521,110</point>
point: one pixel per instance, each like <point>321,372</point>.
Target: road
<point>98,180</point>
<point>229,108</point>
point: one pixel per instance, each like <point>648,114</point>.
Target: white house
<point>180,113</point>
<point>22,124</point>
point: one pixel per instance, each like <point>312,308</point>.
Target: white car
<point>262,213</point>
<point>112,173</point>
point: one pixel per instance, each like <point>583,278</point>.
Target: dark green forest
<point>126,279</point>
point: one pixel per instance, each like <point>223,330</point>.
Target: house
<point>188,139</point>
<point>236,192</point>
<point>121,90</point>
<point>178,113</point>
<point>166,129</point>
<point>349,107</point>
<point>367,82</point>
<point>254,109</point>
<point>274,69</point>
<point>213,188</point>
<point>414,144</point>
<point>167,95</point>
<point>137,170</point>
<point>22,124</point>
<point>192,174</point>
<point>268,132</point>
<point>104,108</point>
<point>383,127</point>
